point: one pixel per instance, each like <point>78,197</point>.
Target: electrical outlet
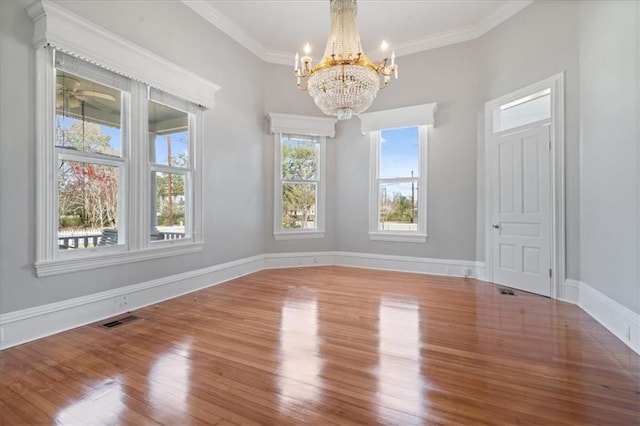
<point>448,270</point>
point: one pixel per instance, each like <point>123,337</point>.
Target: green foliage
<point>402,210</point>
<point>170,208</point>
<point>299,162</point>
<point>397,209</point>
<point>70,221</point>
<point>177,217</point>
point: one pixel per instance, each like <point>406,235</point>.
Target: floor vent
<point>119,322</point>
<point>506,292</point>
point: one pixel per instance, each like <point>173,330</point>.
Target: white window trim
<point>294,124</point>
<point>57,27</point>
<point>420,235</point>
<point>421,116</point>
<point>280,233</point>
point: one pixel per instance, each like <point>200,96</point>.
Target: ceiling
<point>274,30</point>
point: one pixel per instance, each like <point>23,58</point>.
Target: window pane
<point>87,115</point>
<point>399,153</point>
<point>168,190</point>
<point>169,136</point>
<point>299,205</point>
<point>526,110</point>
<point>299,159</point>
<point>398,206</point>
<point>87,204</point>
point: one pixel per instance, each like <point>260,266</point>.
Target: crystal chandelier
<point>345,81</point>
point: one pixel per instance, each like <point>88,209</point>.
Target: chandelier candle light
<point>345,81</point>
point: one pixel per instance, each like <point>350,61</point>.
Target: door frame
<point>557,178</point>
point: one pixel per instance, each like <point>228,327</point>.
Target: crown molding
<point>206,10</point>
<point>58,27</point>
<point>500,15</point>
<point>434,41</point>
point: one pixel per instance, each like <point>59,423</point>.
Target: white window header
<point>68,32</point>
<point>417,115</point>
<point>301,124</point>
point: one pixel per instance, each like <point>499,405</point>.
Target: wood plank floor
<point>330,345</point>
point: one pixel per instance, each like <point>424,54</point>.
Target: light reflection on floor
<point>300,363</point>
<point>169,382</point>
<point>103,405</point>
<point>400,385</point>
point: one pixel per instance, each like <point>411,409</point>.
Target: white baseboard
<point>618,319</point>
<point>33,323</point>
<point>571,291</point>
<point>421,265</point>
<point>297,260</point>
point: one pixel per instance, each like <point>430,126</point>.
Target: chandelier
<point>345,81</point>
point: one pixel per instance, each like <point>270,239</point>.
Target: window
<point>398,172</point>
<point>529,109</point>
<point>299,174</point>
<point>90,164</point>
<point>115,195</point>
<point>299,198</point>
<point>171,169</point>
<point>398,186</point>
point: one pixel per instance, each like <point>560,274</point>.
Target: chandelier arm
<point>345,81</point>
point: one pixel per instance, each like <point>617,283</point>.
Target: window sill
<point>99,260</point>
<point>398,237</point>
<point>298,235</point>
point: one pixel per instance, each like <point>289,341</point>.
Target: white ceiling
<point>275,29</point>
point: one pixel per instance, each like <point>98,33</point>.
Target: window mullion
<point>46,188</point>
<point>137,143</point>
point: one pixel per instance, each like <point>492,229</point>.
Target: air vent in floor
<point>119,322</point>
<point>506,292</point>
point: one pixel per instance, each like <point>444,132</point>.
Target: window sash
<point>376,182</point>
<point>133,171</point>
<point>280,231</point>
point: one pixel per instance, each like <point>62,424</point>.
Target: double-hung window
<point>299,186</point>
<point>398,196</point>
<point>299,174</point>
<point>121,155</point>
<point>398,172</point>
<point>171,167</point>
<point>90,152</point>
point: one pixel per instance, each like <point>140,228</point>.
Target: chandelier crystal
<point>345,82</point>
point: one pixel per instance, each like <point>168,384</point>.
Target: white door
<point>520,208</point>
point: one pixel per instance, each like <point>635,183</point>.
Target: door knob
<point>496,226</point>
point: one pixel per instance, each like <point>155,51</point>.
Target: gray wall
<point>447,76</point>
<point>600,62</point>
<point>232,155</point>
<point>538,42</point>
<point>282,95</point>
<point>610,169</point>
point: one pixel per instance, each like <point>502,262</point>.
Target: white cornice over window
<point>417,115</point>
<point>58,27</point>
<point>301,124</point>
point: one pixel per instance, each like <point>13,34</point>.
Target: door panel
<point>521,209</point>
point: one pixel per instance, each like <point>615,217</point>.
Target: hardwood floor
<point>330,345</point>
